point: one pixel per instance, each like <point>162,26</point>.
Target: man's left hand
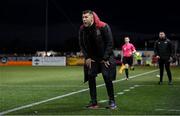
<point>106,63</point>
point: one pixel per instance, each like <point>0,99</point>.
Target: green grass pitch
<point>141,95</point>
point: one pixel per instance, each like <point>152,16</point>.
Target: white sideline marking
<point>136,85</point>
<point>126,90</point>
<point>173,110</point>
<point>65,95</point>
<point>170,110</point>
<point>102,101</point>
<point>120,93</point>
<point>159,109</point>
<point>131,87</point>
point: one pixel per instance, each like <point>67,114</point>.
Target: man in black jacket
<point>96,43</point>
<point>164,50</point>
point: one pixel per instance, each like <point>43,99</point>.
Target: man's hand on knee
<point>88,62</point>
<point>106,63</point>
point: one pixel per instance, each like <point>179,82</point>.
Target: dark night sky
<point>22,22</point>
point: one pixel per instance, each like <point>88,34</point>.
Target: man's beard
<point>162,37</point>
<point>86,24</point>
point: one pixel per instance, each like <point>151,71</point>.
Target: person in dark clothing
<point>164,50</point>
<point>96,43</point>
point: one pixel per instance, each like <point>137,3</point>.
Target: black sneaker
<point>112,105</point>
<point>160,83</point>
<point>170,83</point>
<point>92,105</point>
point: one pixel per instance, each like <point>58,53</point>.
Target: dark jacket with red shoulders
<point>96,42</point>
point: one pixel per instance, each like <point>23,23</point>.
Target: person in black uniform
<point>96,43</point>
<point>164,50</point>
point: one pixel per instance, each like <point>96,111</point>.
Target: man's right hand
<point>88,62</point>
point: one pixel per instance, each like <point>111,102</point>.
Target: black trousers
<point>92,73</point>
<point>92,87</point>
<point>165,63</point>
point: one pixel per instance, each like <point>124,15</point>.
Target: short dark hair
<point>87,11</point>
<point>161,31</point>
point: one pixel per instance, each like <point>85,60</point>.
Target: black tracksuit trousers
<point>165,63</point>
<point>92,81</point>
